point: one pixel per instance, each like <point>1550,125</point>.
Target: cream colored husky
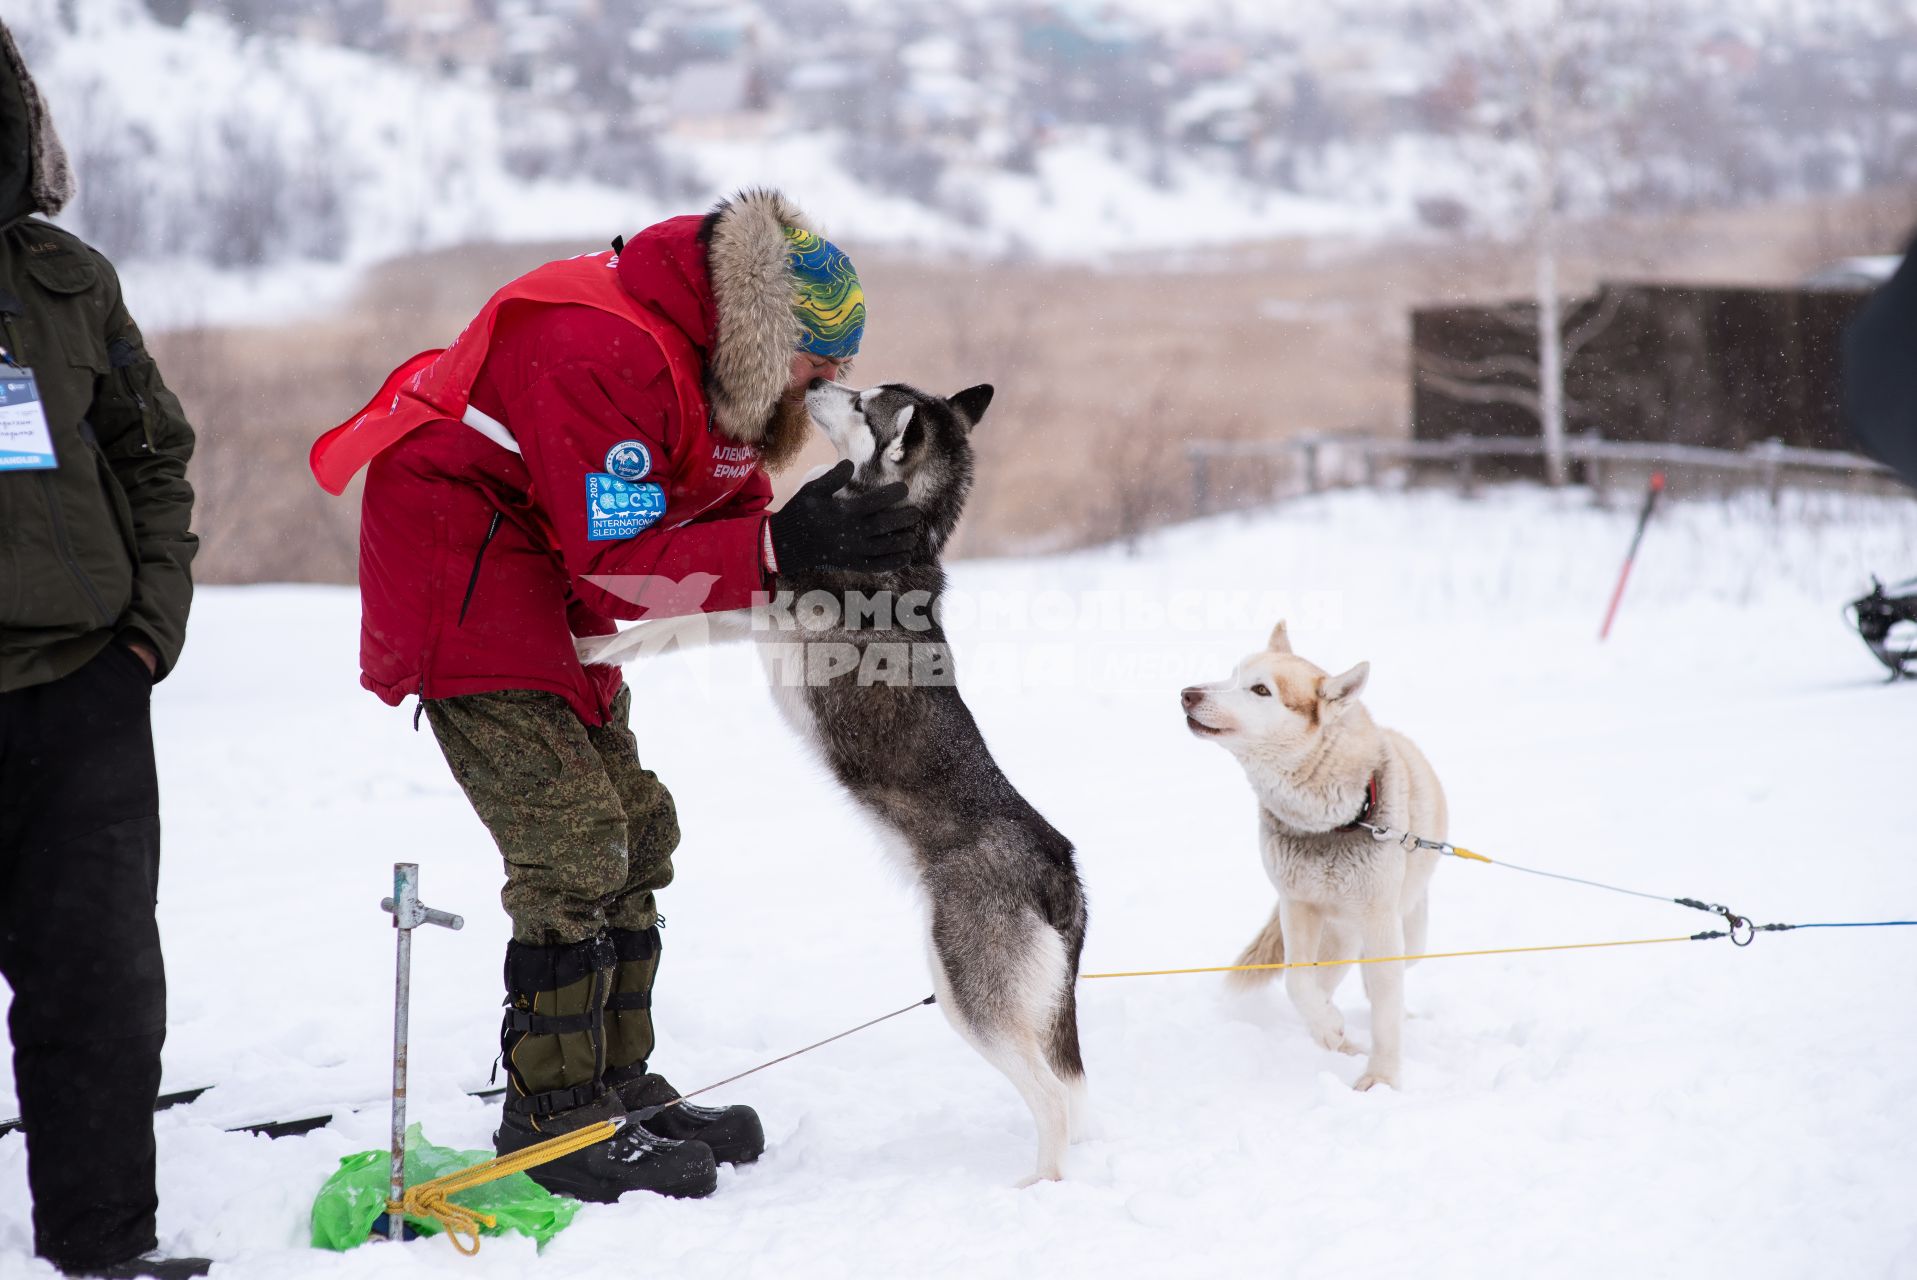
<point>1319,766</point>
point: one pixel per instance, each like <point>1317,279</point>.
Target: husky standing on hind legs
<point>872,691</point>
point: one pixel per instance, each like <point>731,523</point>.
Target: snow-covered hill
<point>1673,1110</point>
<point>243,177</point>
<point>248,159</point>
<point>238,179</point>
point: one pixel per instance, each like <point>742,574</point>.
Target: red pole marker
<point>1643,519</point>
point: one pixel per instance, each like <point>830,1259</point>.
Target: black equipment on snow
<point>1888,624</point>
<point>149,1266</point>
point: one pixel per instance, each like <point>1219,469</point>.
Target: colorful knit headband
<point>829,303</point>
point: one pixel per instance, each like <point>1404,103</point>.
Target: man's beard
<point>787,429</point>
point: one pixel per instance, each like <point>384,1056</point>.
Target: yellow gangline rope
<point>1429,955</point>
<point>433,1199</point>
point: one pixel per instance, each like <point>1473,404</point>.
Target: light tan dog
<point>1319,766</point>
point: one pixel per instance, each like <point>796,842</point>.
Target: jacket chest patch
<point>629,460</point>
<point>617,508</point>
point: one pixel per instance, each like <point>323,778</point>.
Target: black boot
<point>149,1266</point>
<point>553,1046</point>
<point>733,1133</point>
<point>633,1159</point>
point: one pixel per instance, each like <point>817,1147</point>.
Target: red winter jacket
<point>479,565</point>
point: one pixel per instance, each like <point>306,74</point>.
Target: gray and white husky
<point>1320,766</point>
<point>869,686</point>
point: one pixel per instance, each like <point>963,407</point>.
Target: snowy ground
<point>1662,1110</point>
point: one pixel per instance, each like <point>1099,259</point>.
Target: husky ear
<point>972,403</point>
<point>1280,639</point>
<point>902,435</point>
<point>1341,688</point>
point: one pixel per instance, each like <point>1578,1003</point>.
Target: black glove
<point>868,533</point>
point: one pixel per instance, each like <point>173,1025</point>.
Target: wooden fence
<point>1320,462</point>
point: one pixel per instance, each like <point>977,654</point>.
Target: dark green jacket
<point>98,548</point>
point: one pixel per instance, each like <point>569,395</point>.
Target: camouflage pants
<point>587,833</point>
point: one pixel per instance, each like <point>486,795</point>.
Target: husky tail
<point>1267,948</point>
<point>1062,1052</point>
<point>1061,1048</point>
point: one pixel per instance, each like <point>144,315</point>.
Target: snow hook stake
<point>408,914</point>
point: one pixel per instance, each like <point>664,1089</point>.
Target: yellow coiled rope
<point>433,1200</point>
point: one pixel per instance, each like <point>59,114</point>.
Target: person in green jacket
<point>95,550</point>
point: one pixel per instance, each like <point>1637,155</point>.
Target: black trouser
<point>79,867</point>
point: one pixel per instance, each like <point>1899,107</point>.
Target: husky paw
<point>1335,1039</point>
<point>1372,1078</point>
<point>1037,1178</point>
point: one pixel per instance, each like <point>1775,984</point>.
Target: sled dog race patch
<point>617,508</point>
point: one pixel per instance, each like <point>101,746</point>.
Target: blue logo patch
<point>618,509</point>
<point>629,460</point>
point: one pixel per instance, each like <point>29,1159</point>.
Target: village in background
<point>1209,253</point>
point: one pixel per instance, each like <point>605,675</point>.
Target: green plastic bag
<point>355,1196</point>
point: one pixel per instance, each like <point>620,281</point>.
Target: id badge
<point>25,442</point>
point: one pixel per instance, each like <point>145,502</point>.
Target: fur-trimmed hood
<point>749,261</point>
<point>726,280</point>
<point>28,139</point>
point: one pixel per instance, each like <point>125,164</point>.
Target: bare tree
<point>1546,141</point>
<point>1553,59</point>
<point>1534,383</point>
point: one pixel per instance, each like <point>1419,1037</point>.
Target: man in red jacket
<point>605,421</point>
